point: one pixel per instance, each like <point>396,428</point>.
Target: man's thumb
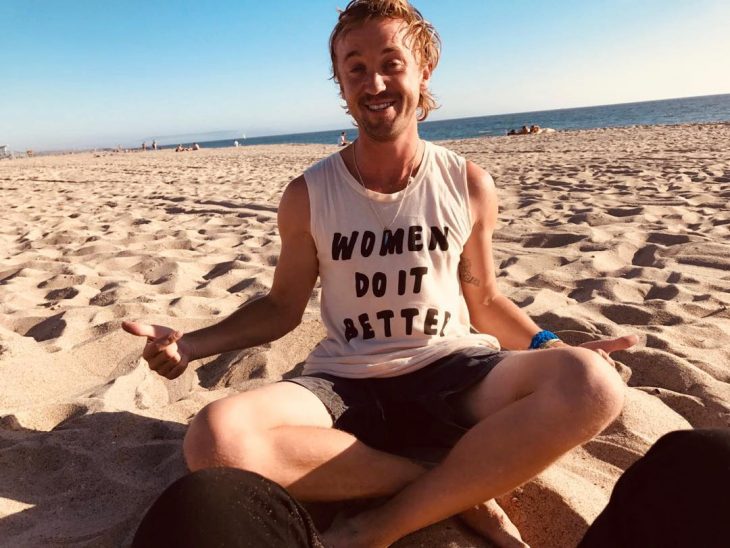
<point>140,329</point>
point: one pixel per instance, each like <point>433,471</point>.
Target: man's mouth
<point>379,106</point>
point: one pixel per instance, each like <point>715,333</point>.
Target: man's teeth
<point>381,106</point>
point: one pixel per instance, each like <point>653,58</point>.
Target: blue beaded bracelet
<point>541,338</point>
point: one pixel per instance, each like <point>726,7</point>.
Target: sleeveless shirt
<point>391,298</point>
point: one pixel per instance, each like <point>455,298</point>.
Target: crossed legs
<point>557,399</point>
<point>532,408</point>
<point>676,495</point>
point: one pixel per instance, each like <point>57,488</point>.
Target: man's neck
<point>384,166</point>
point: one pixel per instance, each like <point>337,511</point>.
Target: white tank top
<point>391,299</point>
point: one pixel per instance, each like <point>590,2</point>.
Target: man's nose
<point>375,83</point>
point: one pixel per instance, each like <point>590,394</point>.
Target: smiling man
<point>399,231</point>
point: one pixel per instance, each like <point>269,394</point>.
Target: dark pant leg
<point>677,495</point>
<point>226,507</point>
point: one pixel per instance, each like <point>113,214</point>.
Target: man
<point>400,233</point>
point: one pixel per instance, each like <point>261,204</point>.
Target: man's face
<point>380,78</point>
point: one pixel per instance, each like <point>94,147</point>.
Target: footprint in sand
<point>624,211</point>
<point>647,256</point>
<point>62,293</point>
<point>61,281</point>
<point>552,240</point>
<point>47,329</point>
<point>221,269</point>
<point>105,298</point>
<point>666,238</point>
<point>245,284</point>
<point>665,293</point>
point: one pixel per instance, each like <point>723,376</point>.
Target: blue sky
<point>78,73</point>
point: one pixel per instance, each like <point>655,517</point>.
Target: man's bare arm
<point>168,352</point>
<point>274,315</point>
<point>490,311</point>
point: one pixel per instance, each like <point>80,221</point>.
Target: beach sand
<point>602,233</point>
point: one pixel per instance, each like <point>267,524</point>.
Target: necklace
<point>402,198</point>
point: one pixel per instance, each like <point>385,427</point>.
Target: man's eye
<point>357,69</point>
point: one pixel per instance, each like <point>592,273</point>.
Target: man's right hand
<point>166,352</point>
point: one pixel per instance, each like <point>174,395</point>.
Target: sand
<point>602,233</point>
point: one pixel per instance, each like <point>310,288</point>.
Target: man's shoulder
<point>440,149</point>
<point>479,179</point>
<point>326,163</point>
<point>295,191</point>
<point>293,210</point>
<point>323,176</point>
<point>474,172</point>
<point>482,193</point>
<point>446,156</point>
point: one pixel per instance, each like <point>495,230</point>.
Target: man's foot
<point>490,521</point>
<point>487,519</point>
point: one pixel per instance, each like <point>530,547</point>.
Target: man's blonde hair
<point>420,36</point>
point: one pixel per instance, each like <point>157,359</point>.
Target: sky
<point>88,73</point>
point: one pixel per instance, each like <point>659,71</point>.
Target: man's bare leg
<point>283,432</point>
<point>561,398</point>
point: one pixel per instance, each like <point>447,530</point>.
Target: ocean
<point>710,108</point>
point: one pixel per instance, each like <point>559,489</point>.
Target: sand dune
<point>603,233</point>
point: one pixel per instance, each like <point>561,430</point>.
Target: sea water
<point>710,108</point>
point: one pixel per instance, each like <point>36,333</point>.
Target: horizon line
<point>263,136</point>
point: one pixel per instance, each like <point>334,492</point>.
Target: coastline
<point>703,109</point>
<point>603,232</point>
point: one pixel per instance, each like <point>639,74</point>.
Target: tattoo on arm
<point>465,274</point>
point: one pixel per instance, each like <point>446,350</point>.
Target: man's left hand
<point>604,347</point>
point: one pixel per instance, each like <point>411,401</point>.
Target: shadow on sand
<point>88,481</point>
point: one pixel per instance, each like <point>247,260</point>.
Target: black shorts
<point>412,414</point>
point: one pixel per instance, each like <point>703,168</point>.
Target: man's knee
<point>589,387</point>
<point>223,433</point>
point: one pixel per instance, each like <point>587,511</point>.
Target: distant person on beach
<point>154,145</point>
<point>235,144</point>
<point>179,148</point>
<point>196,146</point>
<point>343,139</point>
<point>532,130</point>
<point>144,145</point>
<point>421,348</point>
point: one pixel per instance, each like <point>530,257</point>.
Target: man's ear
<point>425,76</point>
